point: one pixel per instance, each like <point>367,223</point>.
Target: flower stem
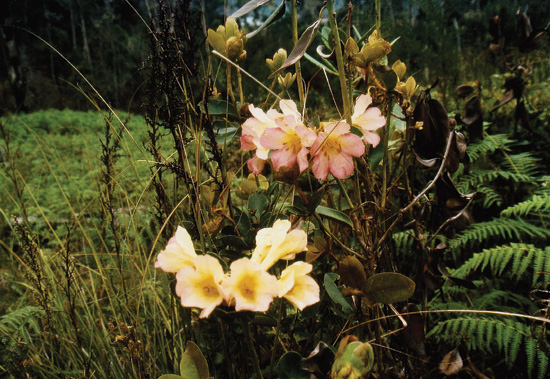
<point>339,60</point>
<point>294,16</point>
<point>250,345</point>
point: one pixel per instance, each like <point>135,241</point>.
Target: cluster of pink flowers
<point>202,283</point>
<point>286,140</point>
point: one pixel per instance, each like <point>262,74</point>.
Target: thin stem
<point>424,191</point>
<point>274,349</point>
<point>339,60</point>
<point>250,345</point>
<point>294,16</point>
<point>240,83</point>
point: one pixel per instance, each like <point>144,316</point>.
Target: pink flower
<point>367,119</point>
<point>255,127</point>
<point>291,141</point>
<point>333,149</point>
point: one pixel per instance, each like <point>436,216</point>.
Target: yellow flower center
<point>209,289</point>
<point>294,142</point>
<point>247,287</point>
<point>332,146</point>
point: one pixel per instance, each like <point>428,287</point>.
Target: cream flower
<point>178,254</point>
<point>298,287</point>
<point>249,286</point>
<point>277,243</point>
<point>367,119</point>
<point>200,286</point>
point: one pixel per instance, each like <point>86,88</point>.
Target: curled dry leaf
<point>352,272</point>
<point>451,363</point>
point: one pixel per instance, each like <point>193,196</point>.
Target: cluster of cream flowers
<point>202,283</point>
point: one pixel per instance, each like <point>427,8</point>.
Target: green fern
<point>14,324</point>
<point>487,334</point>
<point>488,145</point>
<point>521,164</point>
<point>498,229</point>
<point>511,261</point>
<point>479,177</point>
<point>404,240</point>
<point>537,205</point>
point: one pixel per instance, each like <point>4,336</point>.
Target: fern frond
<point>490,197</point>
<point>537,205</point>
<point>483,334</point>
<point>544,186</point>
<point>499,228</point>
<point>17,319</point>
<point>522,163</point>
<point>477,178</point>
<point>511,261</point>
<point>488,145</point>
<point>403,240</point>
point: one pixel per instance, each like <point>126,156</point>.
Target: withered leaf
<point>413,334</point>
<point>299,50</point>
<point>352,272</point>
<point>451,363</point>
<point>249,7</point>
<point>463,90</point>
<point>430,141</point>
<point>472,116</point>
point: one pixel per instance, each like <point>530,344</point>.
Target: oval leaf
<point>193,364</point>
<point>334,214</point>
<point>258,203</point>
<point>334,293</point>
<point>218,107</point>
<point>289,366</point>
<point>388,288</point>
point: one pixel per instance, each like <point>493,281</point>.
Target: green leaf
<point>334,214</point>
<point>376,156</point>
<point>218,107</point>
<point>171,376</point>
<point>257,202</point>
<point>249,7</point>
<point>289,366</point>
<point>276,15</point>
<point>334,293</point>
<point>388,288</point>
<point>234,241</point>
<point>326,65</point>
<point>193,364</point>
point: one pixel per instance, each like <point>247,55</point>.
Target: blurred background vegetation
<point>107,41</point>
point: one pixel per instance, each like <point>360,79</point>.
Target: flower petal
<point>297,287</point>
<point>341,165</point>
<point>352,144</point>
<point>294,242</point>
<point>200,286</point>
<point>249,286</point>
<point>179,252</point>
<point>255,165</point>
<point>372,138</point>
